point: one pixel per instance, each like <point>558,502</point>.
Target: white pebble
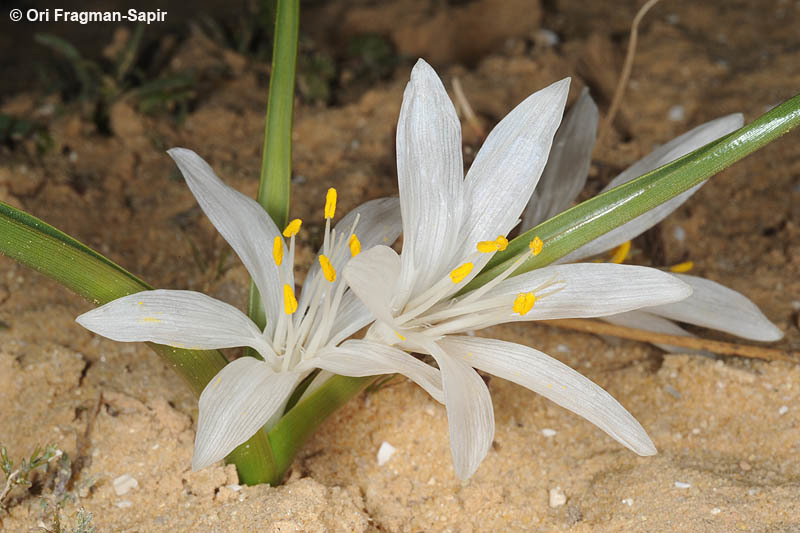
<point>676,113</point>
<point>628,502</point>
<point>124,483</point>
<point>547,432</point>
<point>783,410</point>
<point>682,485</point>
<point>716,510</point>
<point>234,487</point>
<point>557,497</point>
<point>124,504</point>
<point>679,233</point>
<point>562,348</point>
<point>385,453</point>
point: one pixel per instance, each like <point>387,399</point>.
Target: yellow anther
<point>289,301</point>
<point>686,266</point>
<point>502,243</point>
<point>355,245</point>
<point>487,247</point>
<point>330,203</point>
<point>621,252</point>
<point>399,336</point>
<point>327,268</point>
<point>458,274</point>
<point>277,250</point>
<point>497,245</point>
<point>150,319</point>
<point>536,245</point>
<point>292,228</point>
<point>524,302</point>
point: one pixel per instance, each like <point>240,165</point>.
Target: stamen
<point>686,266</point>
<point>524,302</point>
<point>621,252</point>
<point>277,250</point>
<point>458,274</point>
<point>289,301</point>
<point>327,268</point>
<point>292,228</point>
<point>355,245</point>
<point>330,203</point>
<point>497,245</point>
<point>536,245</point>
<point>402,338</point>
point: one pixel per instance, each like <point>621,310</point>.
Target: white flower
<point>452,225</point>
<point>298,337</point>
<point>711,304</point>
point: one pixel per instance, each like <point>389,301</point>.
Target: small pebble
<point>682,485</point>
<point>124,504</point>
<point>679,233</point>
<point>783,410</point>
<point>385,453</point>
<point>677,113</point>
<point>562,348</point>
<point>557,497</point>
<point>716,511</point>
<point>547,432</point>
<point>628,502</point>
<point>124,483</point>
<point>744,465</point>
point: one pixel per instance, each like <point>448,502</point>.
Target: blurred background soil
<point>86,117</point>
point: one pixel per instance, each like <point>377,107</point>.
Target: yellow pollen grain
<point>292,228</point>
<point>141,303</point>
<point>149,319</point>
<point>399,336</point>
<point>536,245</point>
<point>289,301</point>
<point>502,243</point>
<point>523,303</point>
<point>327,268</point>
<point>621,252</point>
<point>355,245</point>
<point>330,203</point>
<point>458,274</point>
<point>686,266</point>
<point>277,250</point>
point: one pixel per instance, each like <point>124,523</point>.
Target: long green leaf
<point>276,159</point>
<point>58,256</point>
<point>587,221</point>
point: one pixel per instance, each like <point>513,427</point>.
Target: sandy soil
<point>727,430</point>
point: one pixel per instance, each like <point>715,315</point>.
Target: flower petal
<point>235,404</point>
<point>359,358</point>
<point>430,175</point>
<point>674,149</point>
<point>554,380</point>
<point>568,165</point>
<point>508,166</point>
<point>715,306</point>
<point>185,319</point>
<point>243,223</point>
<point>641,319</point>
<point>372,276</point>
<point>470,416</point>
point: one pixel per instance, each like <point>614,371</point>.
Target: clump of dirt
<point>726,430</point>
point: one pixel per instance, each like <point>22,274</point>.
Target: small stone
<point>682,485</point>
<point>677,113</point>
<point>557,497</point>
<point>124,483</point>
<point>562,348</point>
<point>628,502</point>
<point>547,432</point>
<point>124,504</point>
<point>385,453</point>
<point>744,465</point>
<point>783,410</point>
<point>716,510</point>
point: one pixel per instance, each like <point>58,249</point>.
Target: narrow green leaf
<point>58,256</point>
<point>599,215</point>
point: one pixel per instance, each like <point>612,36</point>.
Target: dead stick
<point>694,343</point>
<point>626,70</point>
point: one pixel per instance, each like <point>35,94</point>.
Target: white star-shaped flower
<point>299,335</point>
<point>452,225</point>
